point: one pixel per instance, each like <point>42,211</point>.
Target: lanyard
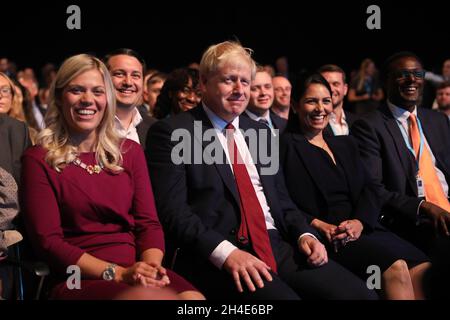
<point>408,144</point>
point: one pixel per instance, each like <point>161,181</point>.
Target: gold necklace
<point>89,168</point>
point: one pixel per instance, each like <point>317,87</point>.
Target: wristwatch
<point>110,272</point>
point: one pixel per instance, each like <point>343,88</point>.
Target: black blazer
<point>390,163</point>
<point>306,184</point>
<point>198,204</point>
<point>349,117</point>
<point>142,128</point>
<point>14,139</point>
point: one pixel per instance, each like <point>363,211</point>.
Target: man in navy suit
<point>385,144</point>
<point>202,206</point>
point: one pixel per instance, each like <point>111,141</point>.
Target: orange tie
<point>434,192</point>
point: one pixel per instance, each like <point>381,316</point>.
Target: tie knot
<point>229,126</point>
<point>264,121</point>
<point>412,117</point>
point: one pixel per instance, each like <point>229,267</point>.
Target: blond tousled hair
<point>56,137</point>
<point>219,54</point>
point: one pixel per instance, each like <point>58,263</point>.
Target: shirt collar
<point>136,120</point>
<point>343,118</point>
<point>217,122</point>
<point>257,118</point>
<point>400,114</point>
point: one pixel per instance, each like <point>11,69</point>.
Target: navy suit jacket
<point>389,162</point>
<point>198,204</point>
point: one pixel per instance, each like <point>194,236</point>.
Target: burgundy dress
<point>110,216</point>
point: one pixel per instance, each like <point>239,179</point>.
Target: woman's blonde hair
<point>56,136</point>
<point>362,73</point>
<point>16,110</point>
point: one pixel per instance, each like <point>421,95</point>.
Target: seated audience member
<point>86,197</point>
<point>9,103</point>
<point>127,68</point>
<point>443,98</point>
<point>179,93</point>
<point>14,140</point>
<point>282,96</point>
<point>339,121</point>
<point>153,89</point>
<point>325,178</point>
<point>12,103</point>
<point>23,102</point>
<point>239,234</point>
<point>144,107</point>
<point>261,99</point>
<point>406,151</point>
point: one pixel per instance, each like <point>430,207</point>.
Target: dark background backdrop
<point>173,33</point>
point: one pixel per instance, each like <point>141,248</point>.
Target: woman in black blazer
<point>326,179</point>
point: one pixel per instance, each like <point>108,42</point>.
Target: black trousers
<point>295,280</point>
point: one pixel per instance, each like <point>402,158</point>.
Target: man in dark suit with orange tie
<point>240,235</point>
<point>406,150</point>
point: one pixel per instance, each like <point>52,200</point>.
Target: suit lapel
<point>223,169</point>
<point>307,155</point>
<point>245,123</point>
<point>403,152</point>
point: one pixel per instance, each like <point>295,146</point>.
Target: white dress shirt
<point>131,132</point>
<point>339,128</point>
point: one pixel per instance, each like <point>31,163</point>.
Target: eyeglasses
<point>188,91</point>
<point>6,91</point>
<point>403,74</point>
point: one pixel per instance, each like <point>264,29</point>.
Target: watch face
<point>109,274</point>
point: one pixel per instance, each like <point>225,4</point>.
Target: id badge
<point>420,188</point>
